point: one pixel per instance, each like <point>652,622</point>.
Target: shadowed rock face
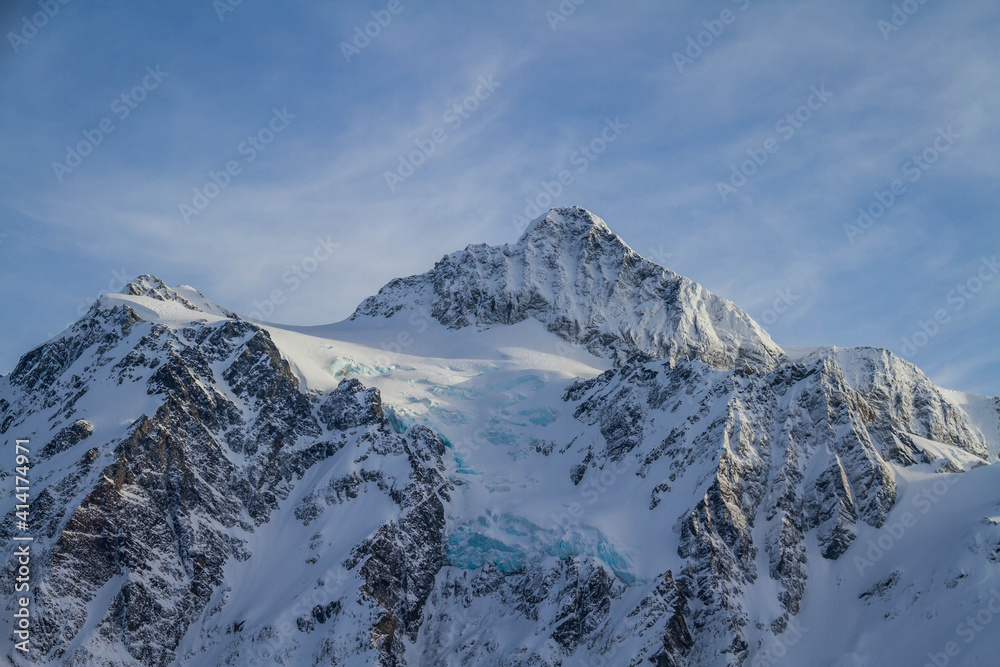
<point>145,520</point>
<point>144,525</point>
<point>70,436</point>
<point>570,272</point>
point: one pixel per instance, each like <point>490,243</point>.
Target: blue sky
<point>833,100</point>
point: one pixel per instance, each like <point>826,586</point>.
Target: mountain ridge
<point>501,490</point>
<point>572,273</point>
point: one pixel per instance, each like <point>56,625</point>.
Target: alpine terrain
<point>554,452</point>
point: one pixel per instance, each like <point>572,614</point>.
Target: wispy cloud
<point>656,186</point>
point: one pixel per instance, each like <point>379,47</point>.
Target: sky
<point>832,168</point>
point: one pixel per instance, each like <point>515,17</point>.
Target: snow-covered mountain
<point>547,453</point>
<point>575,276</point>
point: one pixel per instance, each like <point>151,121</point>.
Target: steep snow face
<point>570,272</point>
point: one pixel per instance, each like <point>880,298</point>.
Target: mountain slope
<point>551,453</point>
<point>143,505</point>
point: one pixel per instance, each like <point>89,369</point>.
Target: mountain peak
<point>570,272</point>
<point>151,287</point>
<point>571,220</point>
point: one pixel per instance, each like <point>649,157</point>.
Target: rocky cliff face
<point>194,504</point>
<point>800,453</point>
<point>139,527</point>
